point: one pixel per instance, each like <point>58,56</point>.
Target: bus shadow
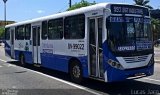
<point>128,87</point>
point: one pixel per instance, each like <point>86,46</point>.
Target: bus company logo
<point>123,48</point>
<point>47,45</point>
<point>48,51</point>
<point>75,46</point>
<point>47,48</point>
<point>136,58</point>
<point>27,46</point>
<point>21,45</point>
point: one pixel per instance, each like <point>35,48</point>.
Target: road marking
<point>1,66</point>
<point>3,60</point>
<point>157,60</point>
<point>8,65</point>
<point>66,82</point>
<point>152,79</point>
<point>14,87</point>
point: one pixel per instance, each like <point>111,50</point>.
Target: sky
<point>20,10</point>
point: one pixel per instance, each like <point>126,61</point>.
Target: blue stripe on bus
<point>121,75</point>
<point>27,55</point>
<point>107,55</point>
<point>53,61</point>
<point>7,49</point>
<point>60,62</point>
<point>8,53</point>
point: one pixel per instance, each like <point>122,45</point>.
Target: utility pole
<point>5,11</point>
<point>70,3</point>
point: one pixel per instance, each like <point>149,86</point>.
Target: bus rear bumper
<point>121,75</point>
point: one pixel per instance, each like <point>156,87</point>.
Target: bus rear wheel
<point>22,60</point>
<point>76,72</point>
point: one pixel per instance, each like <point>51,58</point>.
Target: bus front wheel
<point>76,72</point>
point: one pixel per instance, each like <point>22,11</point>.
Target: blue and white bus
<point>107,42</point>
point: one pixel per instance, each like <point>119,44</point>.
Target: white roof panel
<point>67,13</point>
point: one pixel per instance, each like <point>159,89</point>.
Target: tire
<point>22,60</point>
<point>76,72</point>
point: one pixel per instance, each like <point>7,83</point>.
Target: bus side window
<point>60,28</point>
<point>20,32</point>
<point>15,33</point>
<point>55,29</point>
<point>7,34</point>
<point>44,35</point>
<point>28,31</point>
<point>74,27</point>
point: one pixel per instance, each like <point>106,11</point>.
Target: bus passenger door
<point>12,43</point>
<point>95,47</point>
<point>36,44</point>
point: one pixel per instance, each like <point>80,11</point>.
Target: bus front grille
<point>136,59</point>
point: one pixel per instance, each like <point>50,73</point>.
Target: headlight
<point>115,64</point>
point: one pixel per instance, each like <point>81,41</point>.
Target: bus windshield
<point>129,33</point>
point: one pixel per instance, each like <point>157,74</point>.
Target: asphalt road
<point>157,53</point>
<point>17,80</point>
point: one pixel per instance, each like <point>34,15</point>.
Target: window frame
<point>56,22</point>
<point>74,19</point>
<point>29,31</point>
<point>18,36</point>
<point>7,31</point>
<point>44,30</point>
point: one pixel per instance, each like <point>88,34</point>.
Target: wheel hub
<point>76,71</point>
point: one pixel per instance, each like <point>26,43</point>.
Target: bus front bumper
<point>114,75</point>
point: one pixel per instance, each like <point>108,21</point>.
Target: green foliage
<point>156,28</point>
<point>143,3</point>
<point>1,32</point>
<point>83,3</point>
<point>155,21</point>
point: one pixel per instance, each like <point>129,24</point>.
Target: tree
<point>1,32</point>
<point>143,3</point>
<point>156,28</point>
<point>83,3</point>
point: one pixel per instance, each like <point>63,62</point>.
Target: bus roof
<point>67,13</point>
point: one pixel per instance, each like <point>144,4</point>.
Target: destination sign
<point>129,9</point>
<point>129,19</point>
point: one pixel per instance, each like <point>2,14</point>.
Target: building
<point>2,22</point>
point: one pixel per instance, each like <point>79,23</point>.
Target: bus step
<point>37,65</point>
<point>96,78</point>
